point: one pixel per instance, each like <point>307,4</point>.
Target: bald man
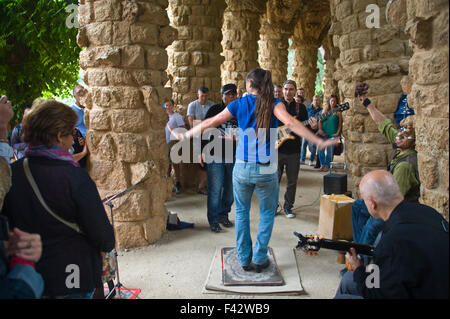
<point>412,255</point>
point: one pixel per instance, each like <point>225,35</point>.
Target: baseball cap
<point>227,88</point>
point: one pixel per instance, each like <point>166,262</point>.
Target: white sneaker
<point>311,163</point>
<point>289,213</point>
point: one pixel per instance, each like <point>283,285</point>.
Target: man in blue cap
<point>219,167</point>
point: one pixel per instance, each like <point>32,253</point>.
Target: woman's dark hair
<point>43,123</point>
<point>261,81</point>
<point>335,97</point>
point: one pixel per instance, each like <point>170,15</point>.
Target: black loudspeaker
<point>335,184</point>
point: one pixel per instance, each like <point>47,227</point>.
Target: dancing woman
<point>255,168</point>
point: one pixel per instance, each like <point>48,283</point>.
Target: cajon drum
<point>335,219</point>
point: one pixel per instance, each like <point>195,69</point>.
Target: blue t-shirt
<point>80,123</point>
<point>250,148</point>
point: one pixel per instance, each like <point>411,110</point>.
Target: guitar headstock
<point>308,244</point>
<point>343,107</point>
<point>361,88</point>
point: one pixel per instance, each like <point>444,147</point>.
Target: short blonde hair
<point>43,123</point>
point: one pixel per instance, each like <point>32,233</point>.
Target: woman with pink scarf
<point>69,216</point>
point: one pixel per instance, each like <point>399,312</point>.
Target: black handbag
<point>338,148</point>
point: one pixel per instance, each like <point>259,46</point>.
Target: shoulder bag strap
<point>33,184</point>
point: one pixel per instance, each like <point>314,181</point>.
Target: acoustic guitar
<point>285,134</point>
<point>312,246</point>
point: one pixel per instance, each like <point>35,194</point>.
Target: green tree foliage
<point>319,78</point>
<point>38,51</point>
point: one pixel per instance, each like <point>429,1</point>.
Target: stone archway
<point>125,63</point>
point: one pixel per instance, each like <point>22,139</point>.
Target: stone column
<point>124,63</point>
<point>274,50</point>
<point>330,86</point>
<point>240,39</point>
<point>309,32</point>
<point>305,65</point>
<point>195,56</point>
<point>378,56</point>
<point>426,23</point>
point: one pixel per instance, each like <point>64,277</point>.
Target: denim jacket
<point>20,282</point>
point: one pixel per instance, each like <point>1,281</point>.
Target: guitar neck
<point>362,249</point>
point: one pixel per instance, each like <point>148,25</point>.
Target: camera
<point>4,228</point>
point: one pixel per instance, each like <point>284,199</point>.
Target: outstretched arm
<point>376,115</point>
<point>215,121</point>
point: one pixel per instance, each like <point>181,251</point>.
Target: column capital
<point>257,6</point>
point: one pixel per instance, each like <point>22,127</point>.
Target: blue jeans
<point>347,288</point>
<point>247,178</point>
<point>220,191</point>
<point>325,160</point>
<point>365,227</point>
<point>312,148</point>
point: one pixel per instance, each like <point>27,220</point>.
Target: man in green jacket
<point>402,165</point>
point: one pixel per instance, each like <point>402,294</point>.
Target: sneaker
<point>226,223</point>
<point>215,228</point>
<point>289,213</point>
<point>260,268</point>
<point>302,162</point>
<point>311,163</point>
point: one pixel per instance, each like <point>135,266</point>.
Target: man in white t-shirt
<point>175,121</point>
<point>196,113</point>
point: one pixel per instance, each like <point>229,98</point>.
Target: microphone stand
<point>108,202</point>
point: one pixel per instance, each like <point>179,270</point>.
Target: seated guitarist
<point>289,151</point>
<point>330,127</point>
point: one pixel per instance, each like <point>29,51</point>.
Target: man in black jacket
<point>289,151</point>
<point>411,258</point>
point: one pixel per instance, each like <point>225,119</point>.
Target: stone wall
<point>427,25</point>
<point>378,56</point>
<point>195,55</point>
<point>124,63</point>
<point>240,39</point>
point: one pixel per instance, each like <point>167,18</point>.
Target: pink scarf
<point>53,152</point>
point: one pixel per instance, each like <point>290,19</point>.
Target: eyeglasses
<point>402,134</point>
